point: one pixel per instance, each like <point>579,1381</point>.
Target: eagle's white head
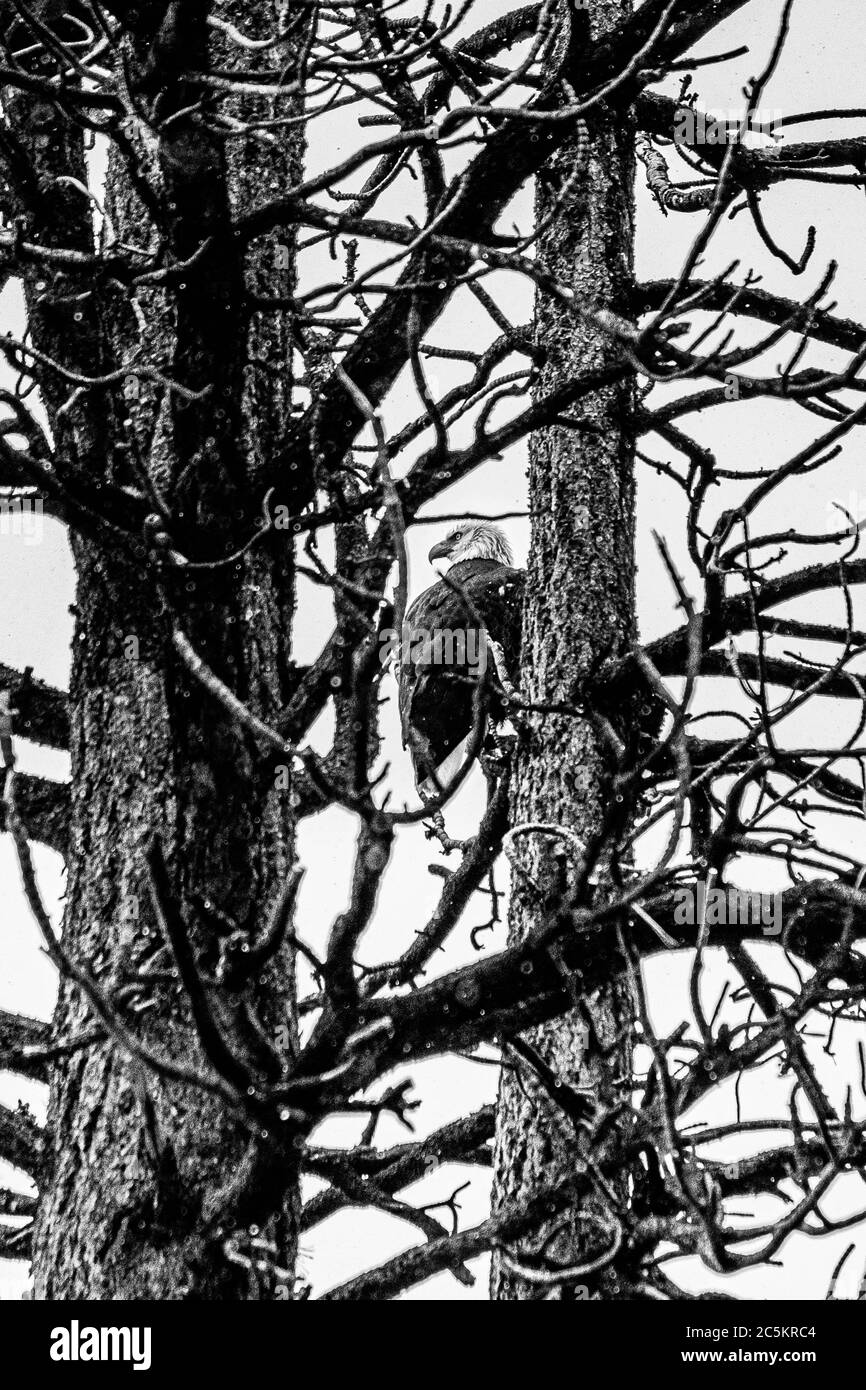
<point>473,540</point>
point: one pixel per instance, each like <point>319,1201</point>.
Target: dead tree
<point>219,312</point>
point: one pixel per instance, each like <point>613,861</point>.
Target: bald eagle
<point>444,652</point>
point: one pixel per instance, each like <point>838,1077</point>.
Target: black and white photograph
<point>433,670</point>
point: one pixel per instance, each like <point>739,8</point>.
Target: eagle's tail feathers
<point>446,770</point>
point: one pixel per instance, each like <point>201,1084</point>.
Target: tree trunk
<point>152,1186</point>
<point>579,610</point>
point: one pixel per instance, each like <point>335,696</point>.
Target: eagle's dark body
<point>438,676</point>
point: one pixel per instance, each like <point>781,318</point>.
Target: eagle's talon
<point>497,754</point>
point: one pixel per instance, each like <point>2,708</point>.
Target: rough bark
<point>144,1179</point>
<point>579,611</point>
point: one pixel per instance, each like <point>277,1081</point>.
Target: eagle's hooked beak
<point>439,551</point>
